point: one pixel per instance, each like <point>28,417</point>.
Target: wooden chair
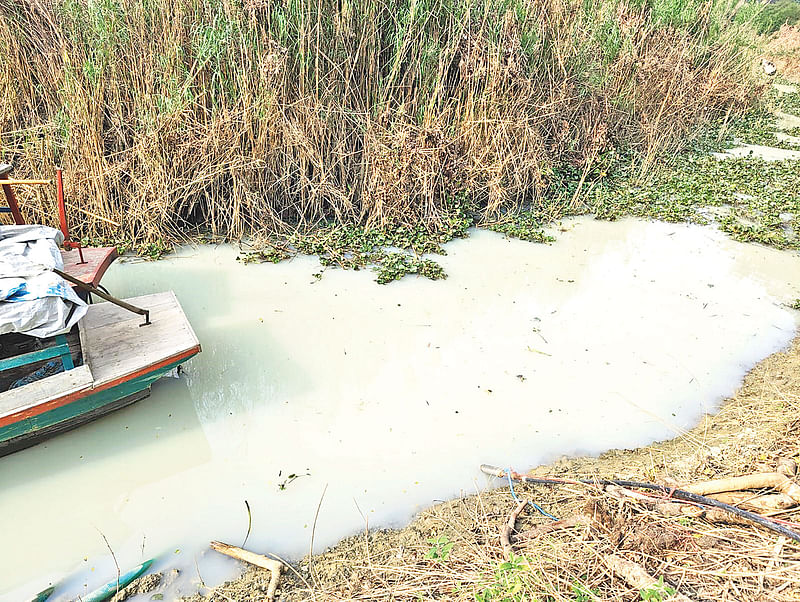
<point>87,264</point>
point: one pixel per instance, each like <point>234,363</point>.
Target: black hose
<point>679,494</point>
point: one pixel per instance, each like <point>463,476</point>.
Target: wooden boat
<point>116,360</point>
<point>110,358</point>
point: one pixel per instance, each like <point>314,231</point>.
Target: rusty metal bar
<point>62,215</point>
<point>96,291</point>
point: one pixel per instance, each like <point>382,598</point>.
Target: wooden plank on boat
<point>116,345</point>
<point>47,389</point>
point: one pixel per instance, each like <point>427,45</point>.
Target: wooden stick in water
<point>259,560</point>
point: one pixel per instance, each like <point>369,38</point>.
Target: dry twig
<point>259,560</point>
<point>634,575</point>
<point>505,534</point>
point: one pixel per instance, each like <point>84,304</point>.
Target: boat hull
<point>91,405</point>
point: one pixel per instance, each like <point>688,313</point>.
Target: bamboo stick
<point>25,182</point>
<point>94,215</point>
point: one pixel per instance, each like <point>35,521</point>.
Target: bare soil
<point>783,50</point>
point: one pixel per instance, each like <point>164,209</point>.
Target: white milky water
<point>390,396</point>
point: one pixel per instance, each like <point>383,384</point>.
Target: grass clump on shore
<point>260,117</point>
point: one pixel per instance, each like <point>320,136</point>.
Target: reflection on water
<point>391,396</point>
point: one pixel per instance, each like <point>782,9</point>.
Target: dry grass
<point>701,560</point>
<point>234,118</point>
<point>783,49</point>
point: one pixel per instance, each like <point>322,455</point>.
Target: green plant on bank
<point>151,250</point>
<point>583,593</point>
<point>511,582</point>
<point>778,13</point>
<point>658,592</point>
<point>789,103</point>
<point>795,304</point>
<point>391,252</point>
<point>440,549</point>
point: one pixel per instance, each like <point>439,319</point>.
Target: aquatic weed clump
<point>391,252</point>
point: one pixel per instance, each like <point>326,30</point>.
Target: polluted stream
<point>330,403</point>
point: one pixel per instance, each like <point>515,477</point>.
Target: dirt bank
<point>453,551</point>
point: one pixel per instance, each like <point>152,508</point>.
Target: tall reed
<point>241,116</point>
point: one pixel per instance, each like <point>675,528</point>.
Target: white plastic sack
<point>29,250</point>
<point>34,300</point>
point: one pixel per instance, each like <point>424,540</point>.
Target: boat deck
<point>115,348</point>
<point>115,345</point>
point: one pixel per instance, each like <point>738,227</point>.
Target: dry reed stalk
<point>235,119</point>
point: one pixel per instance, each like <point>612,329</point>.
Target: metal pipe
<point>62,215</point>
<point>62,212</point>
<point>96,291</point>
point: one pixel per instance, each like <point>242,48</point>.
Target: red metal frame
<point>12,202</point>
<point>62,215</point>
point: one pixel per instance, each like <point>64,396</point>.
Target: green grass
<point>775,14</point>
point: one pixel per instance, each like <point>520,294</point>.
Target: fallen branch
<point>634,575</point>
<point>505,533</point>
<point>765,480</point>
<point>668,492</point>
<point>274,566</point>
<point>758,503</point>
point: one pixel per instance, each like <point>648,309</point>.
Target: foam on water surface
<point>390,396</point>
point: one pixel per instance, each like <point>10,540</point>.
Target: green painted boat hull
<point>112,587</point>
<point>30,431</point>
<point>44,594</point>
